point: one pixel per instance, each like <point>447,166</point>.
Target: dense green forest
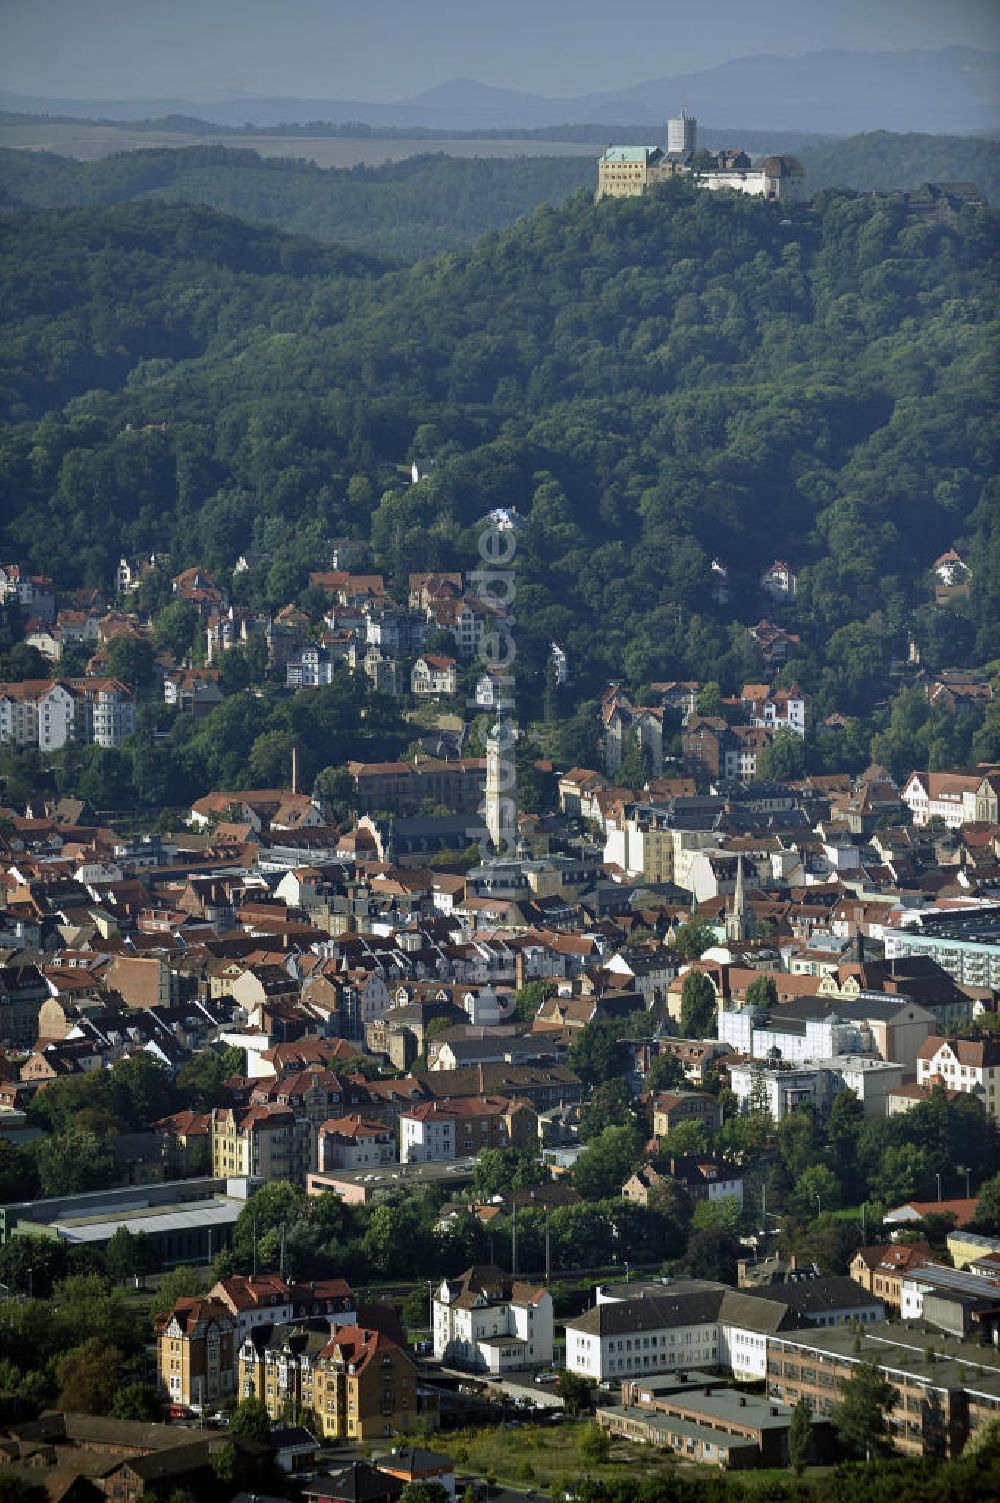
<point>406,210</point>
<point>425,204</point>
<point>657,382</point>
<point>115,298</point>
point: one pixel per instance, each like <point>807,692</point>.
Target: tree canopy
<point>656,383</point>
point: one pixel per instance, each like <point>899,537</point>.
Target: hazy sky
<point>389,49</point>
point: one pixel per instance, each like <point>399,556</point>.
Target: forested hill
<point>109,297</point>
<point>658,382</point>
<point>425,204</point>
<point>408,209</point>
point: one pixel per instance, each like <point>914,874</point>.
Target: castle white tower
<point>501,789</point>
<point>682,133</point>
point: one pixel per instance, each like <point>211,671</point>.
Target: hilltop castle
<point>627,171</point>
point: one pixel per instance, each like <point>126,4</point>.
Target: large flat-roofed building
<point>969,1247</point>
<point>946,1388</point>
<point>186,1220</point>
<point>965,942</point>
<point>704,1420</point>
<point>955,1300</point>
<point>362,1187</point>
<point>787,1088</point>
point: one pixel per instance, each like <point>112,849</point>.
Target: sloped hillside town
<point>427,1090</point>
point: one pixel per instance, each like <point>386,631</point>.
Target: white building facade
<point>486,1321</point>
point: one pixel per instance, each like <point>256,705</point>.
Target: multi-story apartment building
<point>968,1065</point>
<point>796,1034</point>
<point>401,634</point>
<point>50,713</point>
<point>107,710</point>
<point>262,1142</point>
<point>196,1347</point>
<point>779,580</point>
<point>279,1364</point>
<point>881,1269</point>
<point>488,1321</point>
<point>620,720</point>
<point>266,1299</point>
<point>544,1086</point>
<point>434,673</point>
<point>360,1385</point>
<point>34,593</point>
<point>460,1128</point>
<point>777,709</point>
<point>645,841</point>
<point>672,1108</point>
<point>310,668</point>
<point>948,796</point>
<point>37,712</point>
<point>789,1086</point>
<point>712,750</point>
<point>353,1142</point>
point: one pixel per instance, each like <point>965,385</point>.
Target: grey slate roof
<point>356,1483</point>
<point>635,1316</point>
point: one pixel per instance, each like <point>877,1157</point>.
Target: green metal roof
<point>627,153</point>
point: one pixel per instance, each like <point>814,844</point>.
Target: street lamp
<point>819,1206</point>
<point>937,1176</point>
<point>963,1169</point>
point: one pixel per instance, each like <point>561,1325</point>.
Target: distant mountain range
<point>954,90</point>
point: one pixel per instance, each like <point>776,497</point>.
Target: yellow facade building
<point>358,1383</point>
<point>627,171</point>
<point>196,1352</point>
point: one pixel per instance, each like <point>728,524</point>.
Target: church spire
<point>739,924</point>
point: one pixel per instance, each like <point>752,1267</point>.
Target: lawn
<point>534,1456</point>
